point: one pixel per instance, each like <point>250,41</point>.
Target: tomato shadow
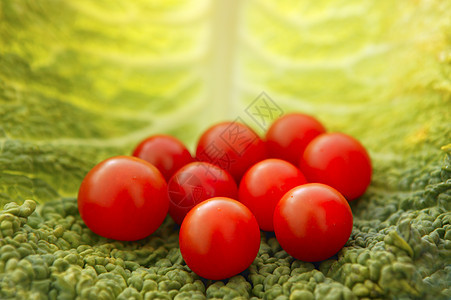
<point>209,282</point>
<point>321,266</point>
<point>268,234</point>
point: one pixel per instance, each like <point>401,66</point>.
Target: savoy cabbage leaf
<point>84,80</point>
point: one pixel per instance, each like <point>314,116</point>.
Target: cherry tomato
<point>219,238</point>
<point>312,222</point>
<point>196,182</point>
<point>290,134</point>
<point>123,198</point>
<point>264,184</point>
<point>338,160</point>
<point>165,152</point>
<point>231,146</point>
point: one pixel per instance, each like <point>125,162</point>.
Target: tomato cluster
<point>297,182</point>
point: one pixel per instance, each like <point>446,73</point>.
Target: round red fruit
<point>165,152</point>
<point>338,160</point>
<point>219,238</point>
<point>312,222</point>
<point>290,134</point>
<point>232,146</point>
<point>196,182</point>
<point>123,198</point>
<point>264,184</point>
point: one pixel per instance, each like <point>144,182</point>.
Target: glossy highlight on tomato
<point>232,146</point>
<point>338,160</point>
<point>219,238</point>
<point>196,182</point>
<point>123,198</point>
<point>264,184</point>
<point>312,222</point>
<point>165,152</point>
<point>289,135</point>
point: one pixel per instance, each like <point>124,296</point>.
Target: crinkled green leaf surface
<point>84,80</point>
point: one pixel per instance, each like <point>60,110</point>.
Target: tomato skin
<point>338,160</point>
<point>165,152</point>
<point>288,136</point>
<point>196,182</point>
<point>232,146</point>
<point>219,238</point>
<point>312,222</point>
<point>123,198</point>
<point>264,184</point>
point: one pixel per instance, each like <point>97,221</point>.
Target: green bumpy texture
<point>81,81</point>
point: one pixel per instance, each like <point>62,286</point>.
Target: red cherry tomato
<point>219,238</point>
<point>312,222</point>
<point>264,184</point>
<point>123,198</point>
<point>290,134</point>
<point>338,160</point>
<point>196,182</point>
<point>231,146</point>
<point>165,152</point>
